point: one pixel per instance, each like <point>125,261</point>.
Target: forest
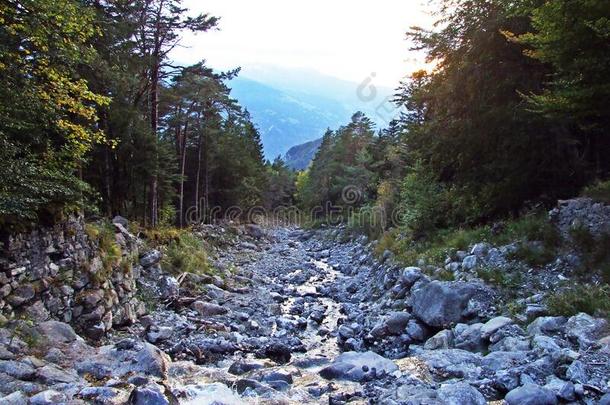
<point>513,115</point>
<point>96,118</point>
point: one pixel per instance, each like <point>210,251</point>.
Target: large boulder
<point>531,394</point>
<point>460,394</point>
<point>355,366</point>
<point>584,329</point>
<point>442,303</point>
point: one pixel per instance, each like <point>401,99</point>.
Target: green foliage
<point>599,191</point>
<point>591,299</point>
<point>104,235</point>
<point>501,277</point>
<point>187,253</point>
<point>594,252</point>
<point>47,111</point>
<point>533,255</point>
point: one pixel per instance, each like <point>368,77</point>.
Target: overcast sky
<point>348,39</point>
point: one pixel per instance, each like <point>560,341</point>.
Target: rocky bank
<point>313,317</point>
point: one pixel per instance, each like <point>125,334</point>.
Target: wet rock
<point>277,351</point>
<point>243,367</point>
<point>530,394</point>
<point>208,309</point>
<point>356,366</point>
<point>460,394</point>
<point>441,303</point>
<point>248,384</point>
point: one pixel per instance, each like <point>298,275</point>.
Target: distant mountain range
<point>293,107</point>
<point>298,157</point>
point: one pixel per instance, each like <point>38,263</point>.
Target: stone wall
<point>59,273</point>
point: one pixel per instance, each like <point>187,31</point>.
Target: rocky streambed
<point>311,317</point>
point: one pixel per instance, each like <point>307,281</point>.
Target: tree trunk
<point>183,139</point>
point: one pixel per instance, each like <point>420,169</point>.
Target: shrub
<point>599,191</point>
<point>186,254</point>
<point>591,299</point>
<point>110,252</point>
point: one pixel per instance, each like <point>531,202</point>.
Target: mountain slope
<point>284,119</point>
<point>298,157</point>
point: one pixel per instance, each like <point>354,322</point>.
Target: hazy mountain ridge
<point>295,106</point>
<point>298,157</point>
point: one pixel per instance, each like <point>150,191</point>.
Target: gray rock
<point>453,363</point>
<point>493,325</point>
<point>468,337</point>
<point>584,329</point>
<point>120,220</point>
<point>511,344</point>
<point>22,294</point>
<point>208,309</point>
<point>16,398</point>
<point>531,394</point>
<point>470,262</point>
<point>504,360</point>
<point>545,345</point>
<point>17,369</point>
<point>151,394</point>
<point>577,372</point>
<point>150,258</point>
<point>480,249</point>
<point>410,275</point>
<point>355,366</point>
<point>417,331</point>
<point>442,340</point>
<point>546,325</point>
<point>104,395</point>
<point>460,394</point>
<point>169,287</point>
<point>48,397</point>
<point>152,361</point>
<point>159,334</point>
<point>441,303</point>
<point>51,374</point>
<point>563,389</point>
<point>396,322</point>
<point>255,231</point>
